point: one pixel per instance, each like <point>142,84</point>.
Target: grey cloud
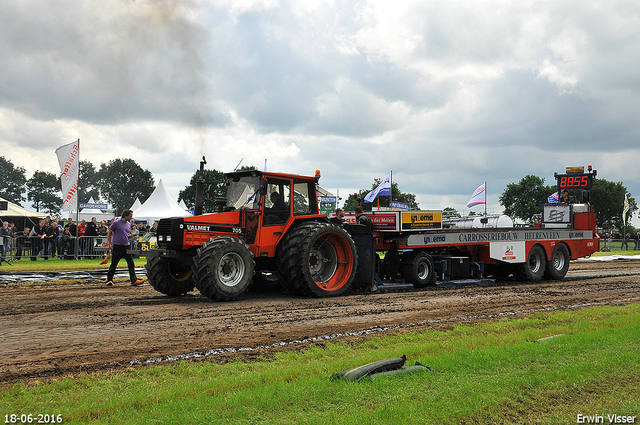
<point>104,62</point>
<point>444,93</point>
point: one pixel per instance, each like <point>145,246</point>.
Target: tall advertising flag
<point>69,160</point>
<point>626,209</point>
<point>383,189</point>
<point>478,196</point>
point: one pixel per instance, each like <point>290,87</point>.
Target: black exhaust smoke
<point>200,189</point>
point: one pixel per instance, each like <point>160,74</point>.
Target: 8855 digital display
<point>574,181</point>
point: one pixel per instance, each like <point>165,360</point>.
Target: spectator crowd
<point>69,240</point>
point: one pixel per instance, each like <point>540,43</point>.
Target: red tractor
<point>268,225</point>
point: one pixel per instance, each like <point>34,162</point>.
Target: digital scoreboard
<point>574,181</point>
<point>576,178</point>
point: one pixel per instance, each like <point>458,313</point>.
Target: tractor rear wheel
<point>317,259</point>
<point>169,276</point>
<point>223,268</point>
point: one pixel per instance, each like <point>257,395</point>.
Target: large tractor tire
<point>223,268</point>
<point>533,270</point>
<point>169,276</point>
<point>418,270</point>
<point>559,264</point>
<point>317,259</point>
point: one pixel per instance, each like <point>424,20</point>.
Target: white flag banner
<point>478,196</point>
<point>626,209</point>
<point>69,160</point>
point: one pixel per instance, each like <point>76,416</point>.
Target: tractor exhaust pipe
<point>200,189</point>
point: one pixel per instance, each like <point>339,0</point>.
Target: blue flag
<point>553,198</point>
<point>383,189</point>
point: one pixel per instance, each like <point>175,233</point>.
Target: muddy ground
<point>51,330</point>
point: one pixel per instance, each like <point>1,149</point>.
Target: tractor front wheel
<point>223,268</point>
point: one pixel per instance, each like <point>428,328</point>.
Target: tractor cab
<point>270,203</point>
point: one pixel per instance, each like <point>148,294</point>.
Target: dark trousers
<point>36,246</point>
<point>118,253</point>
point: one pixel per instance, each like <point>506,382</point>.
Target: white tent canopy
<point>137,204</point>
<point>159,205</point>
<point>90,210</point>
<point>89,213</point>
<point>15,210</point>
<point>20,216</point>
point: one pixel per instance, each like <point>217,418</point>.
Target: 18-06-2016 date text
<point>38,418</point>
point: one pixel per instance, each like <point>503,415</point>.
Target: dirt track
<point>52,330</point>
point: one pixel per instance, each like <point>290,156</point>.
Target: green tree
<point>524,199</point>
<point>88,182</point>
<point>607,199</point>
<point>43,190</point>
<point>450,212</point>
<point>215,185</point>
<point>12,185</point>
<point>121,181</point>
<point>398,196</point>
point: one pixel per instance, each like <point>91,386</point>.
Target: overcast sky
<point>447,94</point>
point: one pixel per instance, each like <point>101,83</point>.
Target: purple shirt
<point>121,230</point>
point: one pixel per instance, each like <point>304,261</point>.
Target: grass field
<point>58,265</point>
<point>496,372</point>
<point>491,373</point>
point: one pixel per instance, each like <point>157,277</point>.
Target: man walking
<point>118,239</point>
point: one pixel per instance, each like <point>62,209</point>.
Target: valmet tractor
<point>267,222</point>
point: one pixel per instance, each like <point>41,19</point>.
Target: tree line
<point>523,199</point>
<point>120,181</point>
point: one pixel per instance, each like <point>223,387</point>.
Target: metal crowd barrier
<point>34,247</point>
<point>607,244</point>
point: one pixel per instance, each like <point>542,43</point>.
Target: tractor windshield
<point>243,193</point>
